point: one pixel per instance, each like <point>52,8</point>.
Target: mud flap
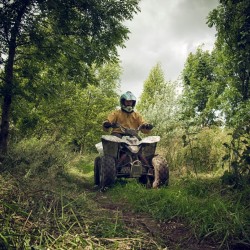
<point>161,171</point>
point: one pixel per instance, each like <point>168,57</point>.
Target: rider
<point>126,117</point>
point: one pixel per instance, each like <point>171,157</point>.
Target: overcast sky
<point>165,32</point>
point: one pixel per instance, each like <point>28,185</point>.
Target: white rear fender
<point>108,145</point>
<point>99,148</point>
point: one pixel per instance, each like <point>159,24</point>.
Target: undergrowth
<point>47,201</point>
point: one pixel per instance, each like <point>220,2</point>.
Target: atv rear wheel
<point>161,170</point>
<point>107,171</point>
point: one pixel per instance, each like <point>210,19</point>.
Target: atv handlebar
<point>125,130</point>
<point>143,126</point>
<point>130,131</point>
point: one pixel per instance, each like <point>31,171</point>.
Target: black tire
<point>161,173</point>
<point>146,180</point>
<point>107,171</point>
<point>143,179</point>
<point>97,165</point>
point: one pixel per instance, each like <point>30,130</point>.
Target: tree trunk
<point>7,98</point>
<point>5,125</point>
<point>8,83</point>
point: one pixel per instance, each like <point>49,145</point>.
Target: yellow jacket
<point>128,120</point>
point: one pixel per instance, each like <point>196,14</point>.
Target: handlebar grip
<point>115,125</point>
<point>147,126</point>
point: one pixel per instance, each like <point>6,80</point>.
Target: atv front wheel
<point>107,171</point>
<point>97,165</point>
<point>146,180</point>
<point>161,171</point>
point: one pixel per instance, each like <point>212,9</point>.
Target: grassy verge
<point>212,212</point>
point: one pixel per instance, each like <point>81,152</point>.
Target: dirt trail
<point>169,235</point>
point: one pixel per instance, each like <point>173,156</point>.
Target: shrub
<point>198,151</point>
<point>34,156</point>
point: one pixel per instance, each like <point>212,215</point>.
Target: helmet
<point>128,96</point>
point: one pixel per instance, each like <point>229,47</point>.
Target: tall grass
<point>46,203</point>
<point>198,150</point>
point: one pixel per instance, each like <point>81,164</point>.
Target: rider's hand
<point>107,125</point>
<point>114,125</point>
<point>147,126</point>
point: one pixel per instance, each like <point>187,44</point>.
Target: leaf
<point>235,165</point>
<point>245,141</point>
<point>226,145</point>
<point>225,157</point>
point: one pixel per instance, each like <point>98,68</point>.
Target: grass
<point>211,212</point>
<point>55,219</point>
<point>46,202</point>
<point>58,211</point>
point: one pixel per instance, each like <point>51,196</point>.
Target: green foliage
<point>159,103</point>
<point>57,39</point>
<point>216,84</point>
<point>95,26</point>
<point>195,150</point>
<point>238,158</point>
<point>37,156</point>
<point>71,113</point>
<point>151,88</point>
<point>231,20</point>
<point>199,96</point>
<point>202,150</point>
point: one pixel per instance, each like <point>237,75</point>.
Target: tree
<point>199,93</point>
<point>52,28</point>
<point>151,88</point>
<point>159,101</point>
<point>232,22</point>
<point>73,114</point>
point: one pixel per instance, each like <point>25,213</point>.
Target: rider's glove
<point>147,126</point>
<point>114,125</point>
<point>107,125</point>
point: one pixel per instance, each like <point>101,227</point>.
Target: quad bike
<point>129,157</point>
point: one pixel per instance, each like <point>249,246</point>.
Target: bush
<point>200,151</point>
<point>35,156</point>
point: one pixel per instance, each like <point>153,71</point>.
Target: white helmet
<point>128,96</point>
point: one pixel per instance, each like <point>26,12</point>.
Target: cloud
<point>164,32</point>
